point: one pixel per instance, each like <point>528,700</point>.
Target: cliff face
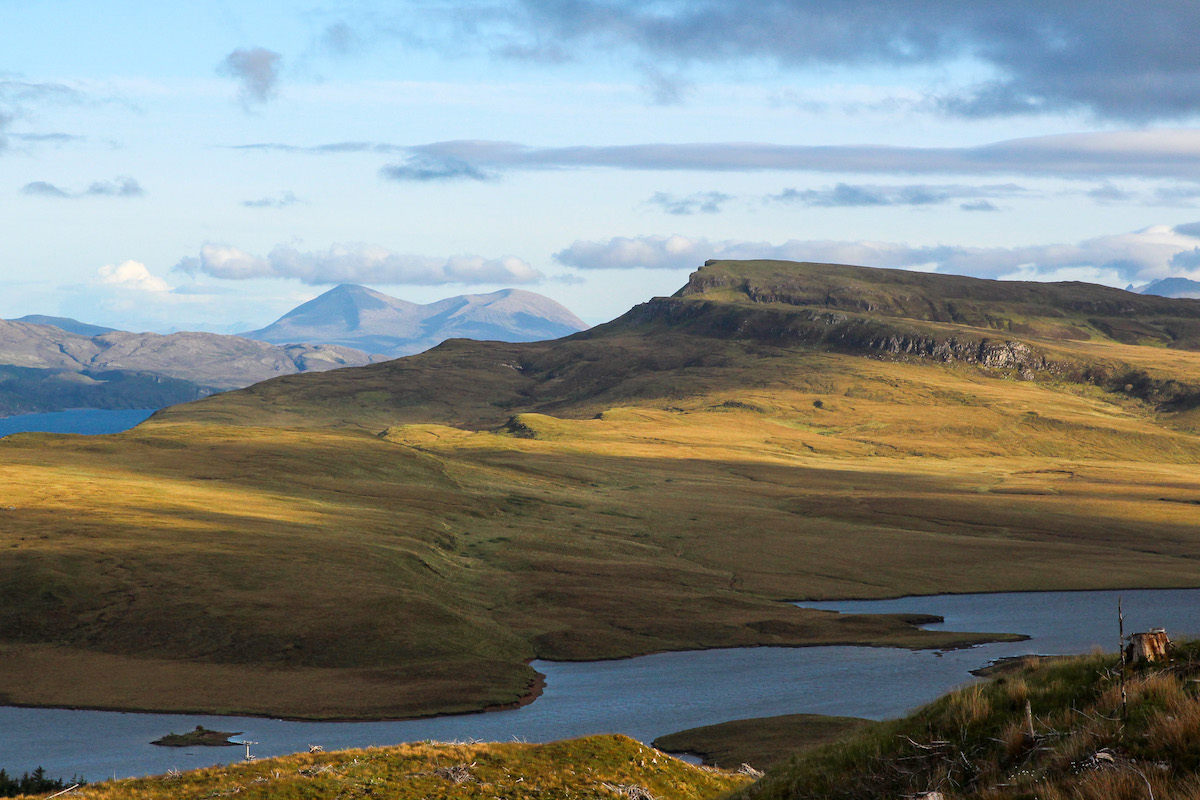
<point>879,336</point>
<point>843,332</point>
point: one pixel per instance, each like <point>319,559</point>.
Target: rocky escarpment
<point>843,332</point>
<point>883,337</point>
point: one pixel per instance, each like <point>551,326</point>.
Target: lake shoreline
<point>885,598</point>
<point>644,697</point>
<point>535,689</point>
<point>537,684</point>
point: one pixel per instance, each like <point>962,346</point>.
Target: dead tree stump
<point>1148,647</point>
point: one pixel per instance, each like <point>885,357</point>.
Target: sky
<point>209,165</point>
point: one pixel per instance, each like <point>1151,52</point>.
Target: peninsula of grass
<point>761,742</point>
<point>403,539</point>
<point>200,737</point>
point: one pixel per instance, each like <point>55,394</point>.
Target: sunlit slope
<point>401,538</point>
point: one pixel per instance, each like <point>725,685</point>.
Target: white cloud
<point>131,275</point>
<point>357,263</point>
<point>1141,256</point>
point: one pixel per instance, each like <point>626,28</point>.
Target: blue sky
<point>211,165</point>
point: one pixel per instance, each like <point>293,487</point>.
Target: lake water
<point>643,697</point>
<point>78,420</point>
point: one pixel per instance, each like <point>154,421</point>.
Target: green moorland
<point>593,768</point>
<point>977,742</point>
<point>401,539</point>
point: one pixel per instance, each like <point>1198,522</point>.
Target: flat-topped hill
<point>733,318</point>
<point>1069,310</point>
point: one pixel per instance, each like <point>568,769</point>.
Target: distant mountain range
<point>355,316</point>
<point>1169,287</point>
<point>51,363</point>
<point>48,367</point>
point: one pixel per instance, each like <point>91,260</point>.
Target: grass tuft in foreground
<point>980,742</point>
<point>607,767</point>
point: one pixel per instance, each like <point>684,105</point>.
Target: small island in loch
<point>201,736</point>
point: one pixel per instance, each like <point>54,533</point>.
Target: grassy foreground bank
<point>593,768</point>
<point>1075,742</point>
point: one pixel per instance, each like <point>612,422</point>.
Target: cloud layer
<point>1137,257</point>
<point>1160,154</point>
<point>119,187</point>
<point>868,195</point>
<point>697,203</point>
<point>1110,58</point>
<point>356,263</point>
<point>281,200</point>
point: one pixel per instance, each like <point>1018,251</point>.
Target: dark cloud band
<point>1160,154</point>
<point>1113,58</point>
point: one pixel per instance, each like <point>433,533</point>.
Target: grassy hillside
<point>977,743</point>
<point>402,538</point>
<point>594,768</point>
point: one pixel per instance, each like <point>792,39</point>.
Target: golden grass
<point>335,549</point>
<point>588,769</point>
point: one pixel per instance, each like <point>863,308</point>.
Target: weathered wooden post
<point>1121,645</point>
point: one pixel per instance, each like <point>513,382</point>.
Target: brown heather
<point>973,743</point>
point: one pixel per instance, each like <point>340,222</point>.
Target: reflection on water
<point>643,697</point>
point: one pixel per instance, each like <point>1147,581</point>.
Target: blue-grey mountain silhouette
<point>362,318</point>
